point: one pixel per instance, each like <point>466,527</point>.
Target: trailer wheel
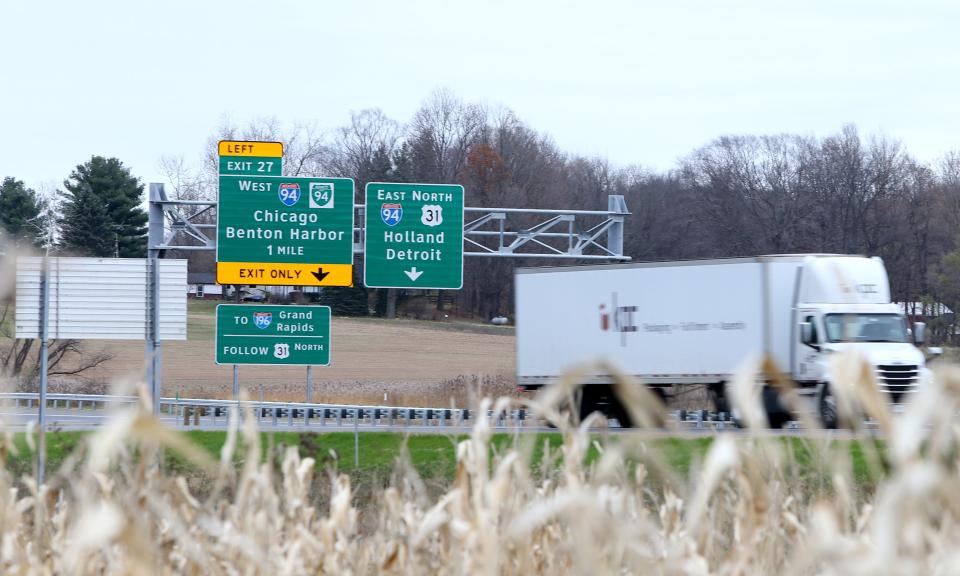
<point>777,413</point>
<point>718,396</point>
<point>575,409</point>
<point>827,407</point>
<point>778,420</point>
<point>588,405</point>
<point>621,414</point>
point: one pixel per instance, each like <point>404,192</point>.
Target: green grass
<point>207,307</point>
<point>59,446</point>
<point>434,455</point>
<point>200,319</point>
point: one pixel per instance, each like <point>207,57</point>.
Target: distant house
<point>926,311</point>
<point>203,285</point>
<point>282,292</point>
<point>256,293</point>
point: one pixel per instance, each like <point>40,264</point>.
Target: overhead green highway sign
<point>414,236</point>
<point>265,334</point>
<point>278,230</point>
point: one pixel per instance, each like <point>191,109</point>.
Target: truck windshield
<point>865,328</point>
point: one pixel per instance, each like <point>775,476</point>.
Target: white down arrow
<point>413,273</point>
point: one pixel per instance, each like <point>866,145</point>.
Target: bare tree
<point>661,225</point>
<point>19,360</point>
<point>753,193</point>
<point>451,126</point>
<point>364,147</point>
<point>186,183</point>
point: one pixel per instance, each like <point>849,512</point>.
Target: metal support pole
<point>155,233</point>
<point>616,203</point>
<point>309,384</point>
<point>153,341</point>
<point>356,438</point>
<point>236,383</point>
<point>44,343</point>
<point>391,312</point>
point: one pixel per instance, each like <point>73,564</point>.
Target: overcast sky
<point>636,82</point>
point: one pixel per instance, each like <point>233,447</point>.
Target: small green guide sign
<point>264,334</point>
<point>250,158</point>
<point>414,236</point>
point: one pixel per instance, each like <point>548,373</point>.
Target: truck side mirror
<point>919,333</point>
<point>806,333</point>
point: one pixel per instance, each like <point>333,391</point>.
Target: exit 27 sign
<point>280,230</point>
<point>254,158</point>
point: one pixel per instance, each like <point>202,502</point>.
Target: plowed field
<point>414,363</point>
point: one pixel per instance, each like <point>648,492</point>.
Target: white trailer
<point>696,322</point>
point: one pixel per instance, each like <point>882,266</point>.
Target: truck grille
<point>897,380</point>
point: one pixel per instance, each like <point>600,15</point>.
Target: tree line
<point>734,196</point>
<point>97,213</point>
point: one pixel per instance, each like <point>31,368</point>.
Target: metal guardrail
<point>194,411</point>
<point>191,411</point>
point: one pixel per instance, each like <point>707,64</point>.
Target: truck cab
<point>843,303</point>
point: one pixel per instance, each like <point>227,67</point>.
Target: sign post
<point>278,230</point>
<point>274,335</point>
<point>44,353</point>
<point>414,236</point>
<point>309,384</point>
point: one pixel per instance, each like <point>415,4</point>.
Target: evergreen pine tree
<point>19,212</point>
<point>116,221</point>
<point>347,301</point>
<point>84,226</point>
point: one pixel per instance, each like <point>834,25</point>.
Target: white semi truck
<point>696,322</point>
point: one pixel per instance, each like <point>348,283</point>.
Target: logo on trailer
<point>618,318</point>
<point>262,319</point>
<point>391,214</point>
<point>289,193</point>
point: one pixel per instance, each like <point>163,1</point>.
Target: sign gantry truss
<point>174,225</point>
<point>579,234</point>
<point>488,232</point>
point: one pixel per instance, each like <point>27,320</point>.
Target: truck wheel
<point>827,407</point>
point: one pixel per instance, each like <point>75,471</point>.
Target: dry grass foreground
<point>743,511</point>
